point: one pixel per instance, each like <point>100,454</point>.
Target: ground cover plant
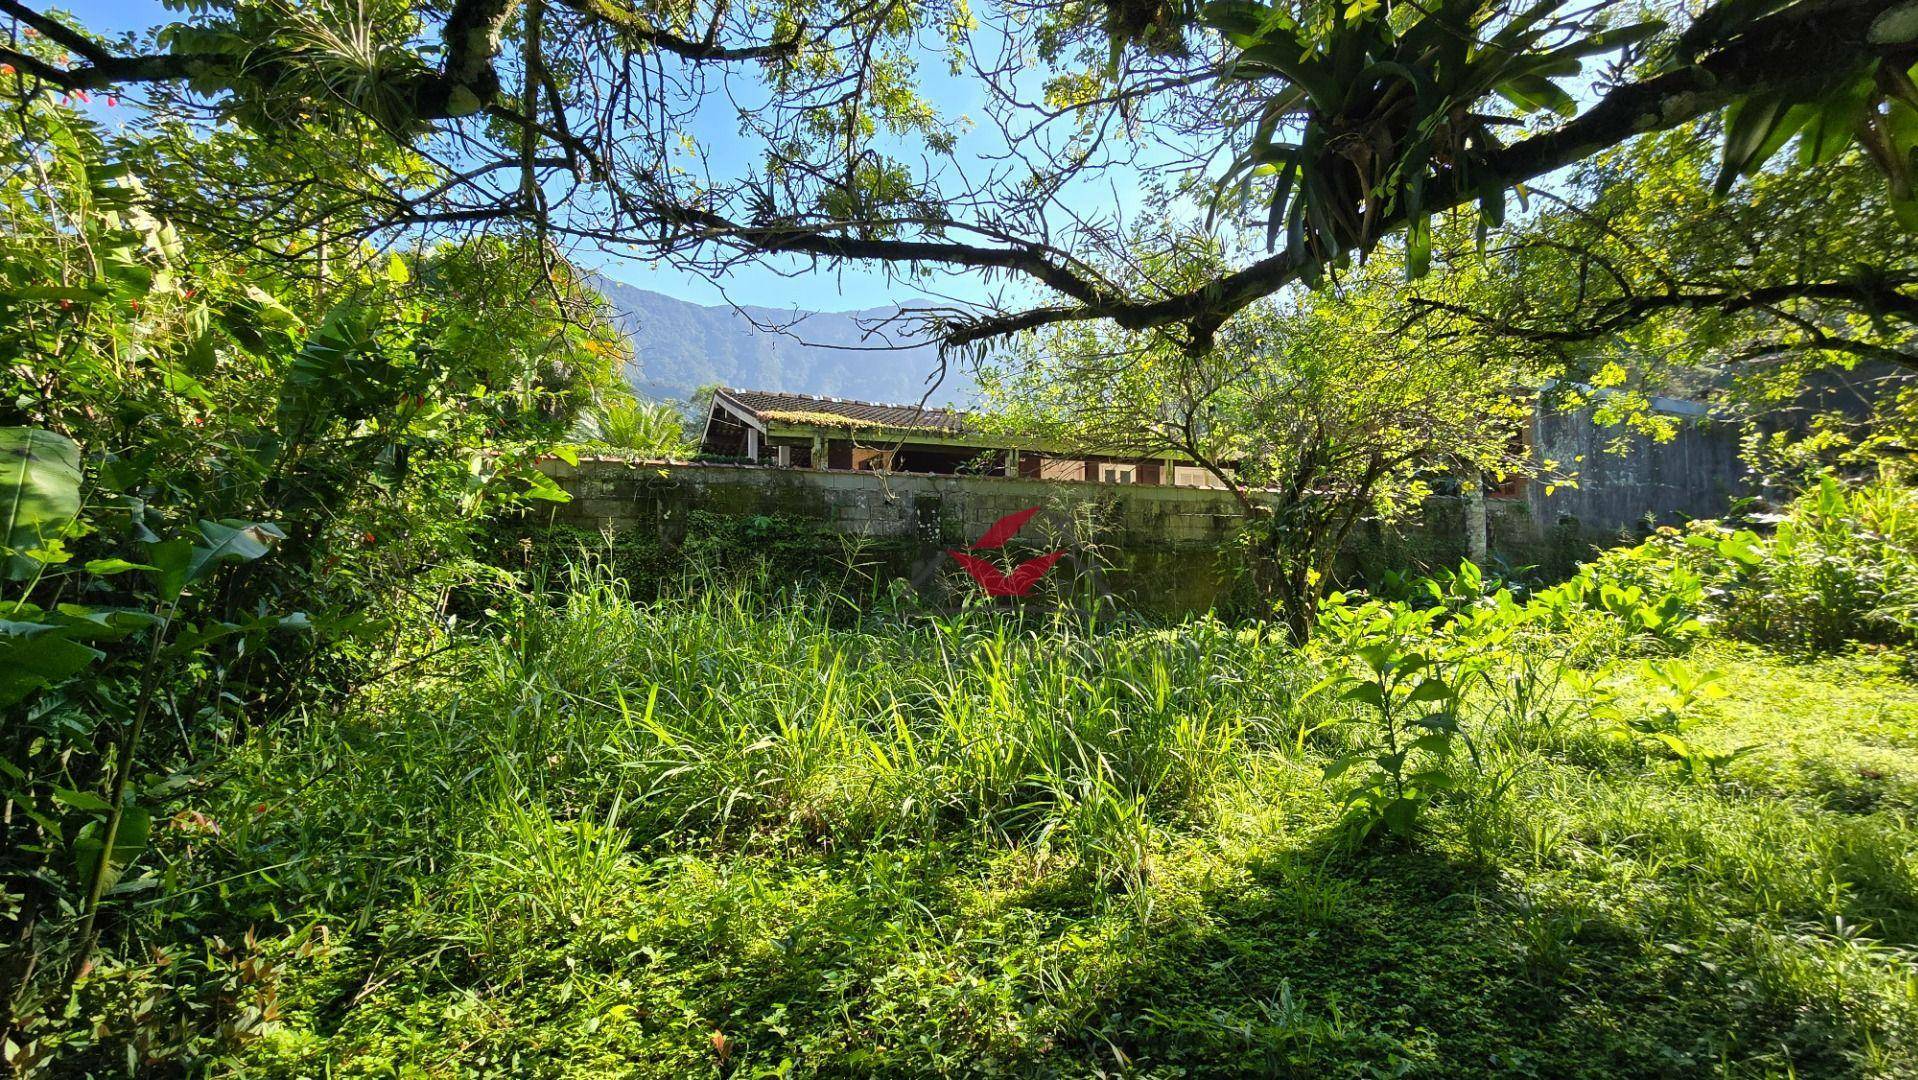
<point>744,832</point>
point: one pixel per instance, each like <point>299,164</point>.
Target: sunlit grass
<point>750,832</point>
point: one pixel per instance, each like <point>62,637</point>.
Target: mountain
<point>680,346</point>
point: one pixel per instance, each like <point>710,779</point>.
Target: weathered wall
<point>1166,548</point>
<point>1170,548</point>
<point>1696,474</point>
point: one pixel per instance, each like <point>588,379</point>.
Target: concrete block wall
<point>1695,474</point>
<point>1169,548</point>
<point>1164,547</point>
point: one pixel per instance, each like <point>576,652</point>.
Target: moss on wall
<point>1163,549</point>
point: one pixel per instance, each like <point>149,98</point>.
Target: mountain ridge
<point>679,346</point>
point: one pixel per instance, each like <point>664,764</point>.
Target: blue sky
<point>794,284</point>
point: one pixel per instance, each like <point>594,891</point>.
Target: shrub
<point>1841,566</point>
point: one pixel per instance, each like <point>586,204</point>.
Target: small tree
<point>1314,412</point>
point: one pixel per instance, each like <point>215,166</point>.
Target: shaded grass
<point>727,835</point>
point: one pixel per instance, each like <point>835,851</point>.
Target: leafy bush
<point>1409,725</point>
<point>653,430</point>
<point>1679,689</point>
<point>200,454</point>
<point>1841,566</point>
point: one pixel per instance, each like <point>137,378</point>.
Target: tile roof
<point>810,409</point>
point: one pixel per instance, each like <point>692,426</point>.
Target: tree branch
<point>638,28</point>
<point>1799,47</point>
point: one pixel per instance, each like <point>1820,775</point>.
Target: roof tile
<point>766,404</point>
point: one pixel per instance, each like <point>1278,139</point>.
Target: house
<point>803,431</point>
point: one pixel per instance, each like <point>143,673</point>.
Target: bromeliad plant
<point>1374,95</point>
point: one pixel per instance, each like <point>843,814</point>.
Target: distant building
<point>802,431</point>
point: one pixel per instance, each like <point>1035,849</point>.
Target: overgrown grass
<point>746,834</point>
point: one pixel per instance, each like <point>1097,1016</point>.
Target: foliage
<point>643,838</point>
<point>654,430</point>
<point>1624,278</point>
<point>1679,689</point>
<point>1317,414</point>
<point>1838,568</point>
<point>1380,113</point>
<point>1405,85</point>
<point>224,486</point>
<point>1410,695</point>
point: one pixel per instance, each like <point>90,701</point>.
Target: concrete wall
<point>1696,474</point>
<point>1170,548</point>
<point>1165,548</point>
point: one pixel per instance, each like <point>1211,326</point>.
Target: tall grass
<point>738,826</point>
<point>729,719</point>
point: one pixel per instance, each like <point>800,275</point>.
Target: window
<point>1120,474</point>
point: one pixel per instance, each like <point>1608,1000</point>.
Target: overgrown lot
<point>750,834</point>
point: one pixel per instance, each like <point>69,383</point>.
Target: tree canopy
<point>1317,413</point>
<point>1311,130</point>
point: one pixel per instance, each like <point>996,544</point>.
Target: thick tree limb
<point>1799,47</point>
<point>638,28</point>
<point>1796,48</point>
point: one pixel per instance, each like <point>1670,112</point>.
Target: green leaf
<point>1831,130</point>
<point>1401,816</point>
<point>1367,693</point>
<point>136,827</point>
<point>1241,21</point>
<point>1418,247</point>
<point>81,800</point>
<point>1338,766</point>
<point>1284,54</point>
<point>33,660</point>
<point>39,492</point>
<point>109,567</point>
<point>1531,93</point>
<point>1431,690</point>
<point>396,271</point>
<point>539,486</point>
<point>1748,124</point>
<point>170,559</point>
<point>231,540</point>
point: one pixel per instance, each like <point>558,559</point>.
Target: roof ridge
<point>841,401</point>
